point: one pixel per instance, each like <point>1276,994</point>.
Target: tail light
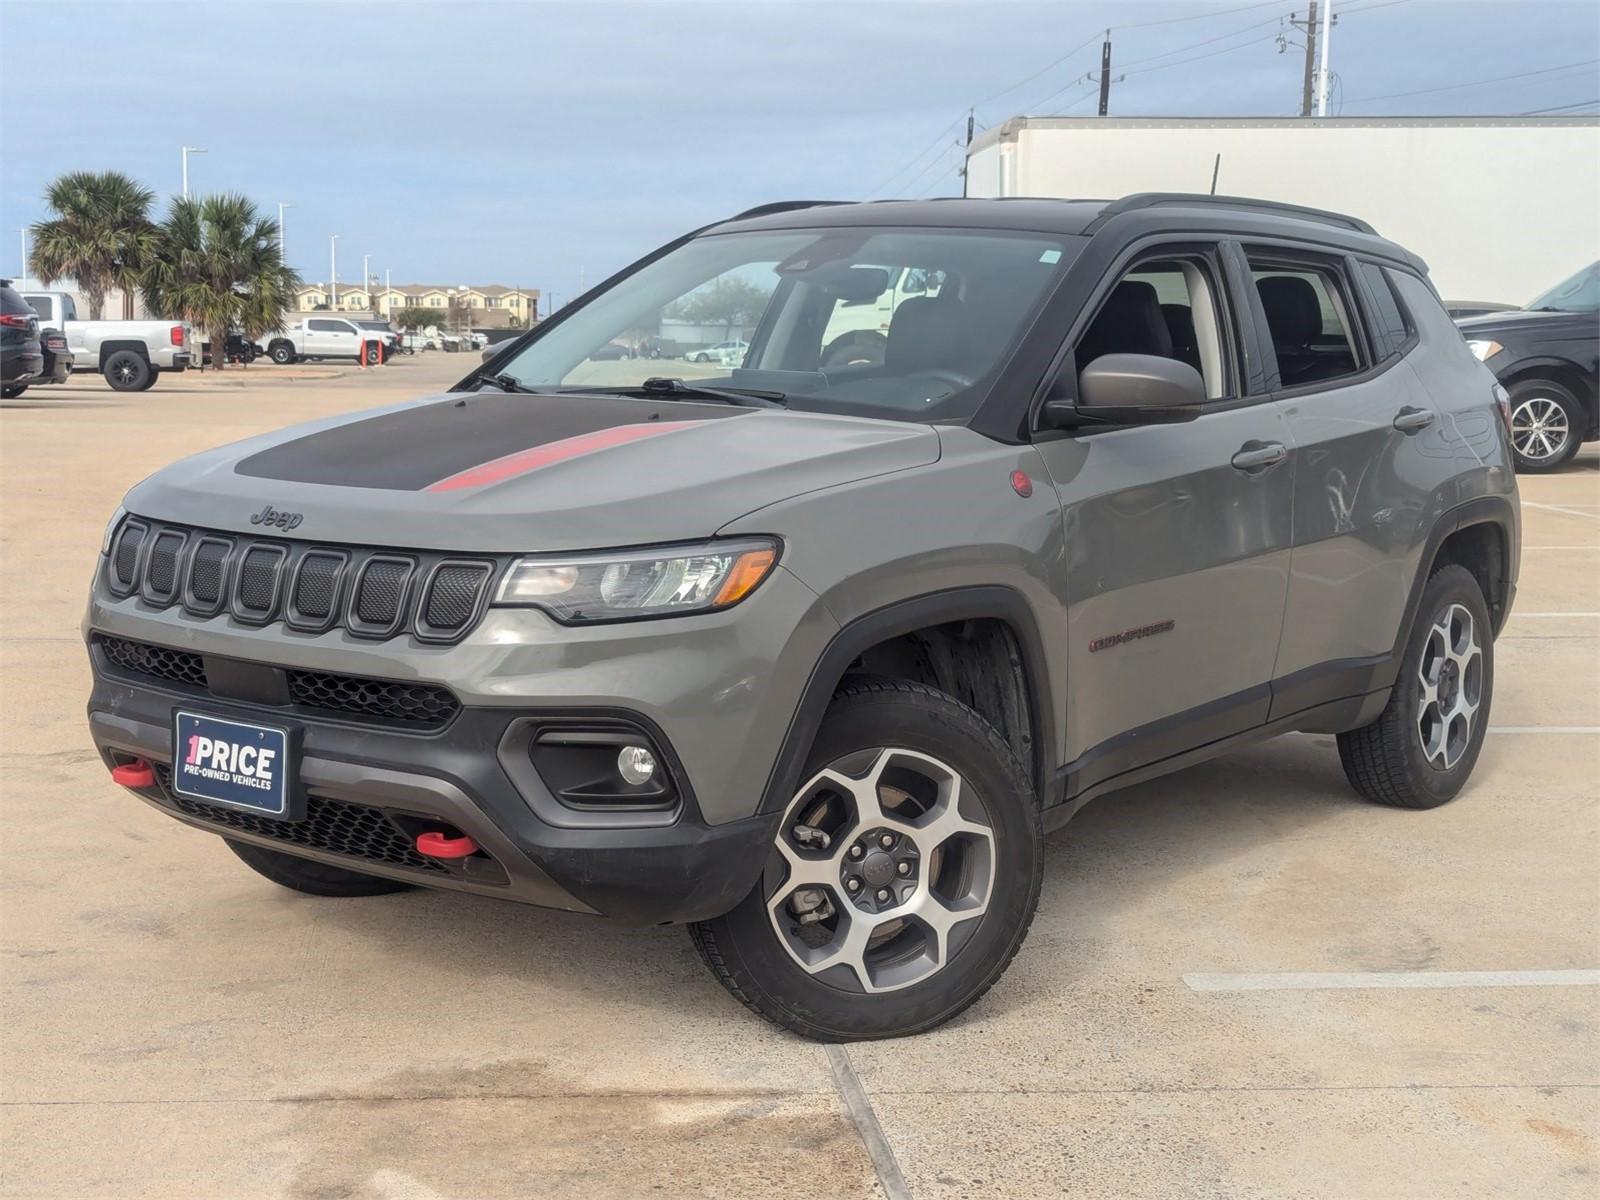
<point>14,321</point>
<point>177,335</point>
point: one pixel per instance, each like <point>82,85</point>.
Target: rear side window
<point>330,326</point>
<point>1310,318</point>
<point>1391,322</point>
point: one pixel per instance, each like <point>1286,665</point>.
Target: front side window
<point>900,323</point>
<point>1310,319</point>
<point>1166,308</point>
<point>1579,294</point>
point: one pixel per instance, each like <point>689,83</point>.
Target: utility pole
<point>1105,74</point>
<point>188,150</point>
<point>968,157</point>
<point>388,300</point>
<point>1309,28</point>
<point>1324,75</point>
<point>366,279</point>
<point>333,272</point>
<point>281,253</point>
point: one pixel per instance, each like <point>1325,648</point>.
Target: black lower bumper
<point>398,782</point>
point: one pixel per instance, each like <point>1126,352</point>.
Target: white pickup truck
<point>327,337</point>
<point>130,354</point>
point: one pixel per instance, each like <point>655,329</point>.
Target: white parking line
<point>1571,512</point>
<point>1590,548</point>
<point>1544,729</point>
<point>1553,615</point>
<point>1316,981</point>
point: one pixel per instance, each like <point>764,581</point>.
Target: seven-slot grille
<point>375,594</point>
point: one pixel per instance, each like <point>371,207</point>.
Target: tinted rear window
<point>11,302</point>
<point>1390,319</point>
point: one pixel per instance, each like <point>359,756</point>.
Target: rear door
<point>1368,449</point>
<point>1177,537</point>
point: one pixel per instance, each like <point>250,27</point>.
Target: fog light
<point>636,765</point>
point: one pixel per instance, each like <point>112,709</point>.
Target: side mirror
<point>1138,389</point>
<point>489,352</point>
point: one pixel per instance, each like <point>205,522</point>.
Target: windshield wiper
<point>660,387</point>
<point>509,383</point>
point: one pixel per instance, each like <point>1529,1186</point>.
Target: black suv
<point>1547,356</point>
<point>21,356</point>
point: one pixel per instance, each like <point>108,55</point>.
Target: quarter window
<point>1310,319</point>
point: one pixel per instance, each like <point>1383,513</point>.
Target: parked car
<point>318,338</point>
<point>57,357</point>
<point>726,354</point>
<point>239,349</point>
<point>810,660</point>
<point>21,356</point>
<point>1548,358</point>
<point>384,331</point>
<point>612,352</point>
<point>131,355</point>
<point>1476,308</point>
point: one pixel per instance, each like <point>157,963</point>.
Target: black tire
<point>743,947</point>
<point>151,381</point>
<point>127,371</point>
<point>12,390</point>
<point>1547,426</point>
<point>281,353</point>
<point>372,356</point>
<point>312,878</point>
<point>1386,761</point>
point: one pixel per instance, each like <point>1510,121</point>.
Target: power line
<point>1030,78</point>
<point>938,143</point>
<point>1451,87</point>
<point>1209,54</point>
<point>1209,41</point>
<point>1221,12</point>
<point>1533,112</point>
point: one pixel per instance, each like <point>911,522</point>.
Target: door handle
<point>1254,457</point>
<point>1413,420</point>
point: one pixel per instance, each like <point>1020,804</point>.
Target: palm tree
<point>100,235</point>
<point>216,264</point>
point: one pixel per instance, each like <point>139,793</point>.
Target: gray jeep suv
<point>810,651</point>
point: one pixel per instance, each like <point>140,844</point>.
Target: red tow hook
<point>441,845</point>
<point>137,774</point>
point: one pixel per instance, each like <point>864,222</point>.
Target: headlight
<point>1484,350</point>
<point>624,585</point>
<point>116,519</point>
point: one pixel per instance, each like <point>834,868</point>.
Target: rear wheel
<point>903,878</point>
<point>1422,748</point>
<point>1547,425</point>
<point>282,353</point>
<point>312,878</point>
<point>12,390</point>
<point>128,371</point>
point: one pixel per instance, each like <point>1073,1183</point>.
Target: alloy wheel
<point>884,866</point>
<point>1539,428</point>
<point>1451,674</point>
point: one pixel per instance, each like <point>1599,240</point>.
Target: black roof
<point>1135,215</point>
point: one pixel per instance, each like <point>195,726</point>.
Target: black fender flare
<point>997,602</point>
<point>107,349</point>
<point>1485,510</point>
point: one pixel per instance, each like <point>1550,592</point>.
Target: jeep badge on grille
<point>277,517</point>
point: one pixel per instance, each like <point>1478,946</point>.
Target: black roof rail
<point>766,210</point>
<point>1141,200</point>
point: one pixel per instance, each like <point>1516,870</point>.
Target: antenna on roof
<point>1215,167</point>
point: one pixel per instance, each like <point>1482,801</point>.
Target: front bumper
<point>685,870</point>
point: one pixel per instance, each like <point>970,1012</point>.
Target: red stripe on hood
<point>532,459</point>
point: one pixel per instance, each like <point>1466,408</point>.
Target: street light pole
<point>1324,76</point>
<point>24,232</point>
<point>188,150</point>
<point>281,252</point>
<point>388,298</point>
<point>366,279</point>
<point>333,272</point>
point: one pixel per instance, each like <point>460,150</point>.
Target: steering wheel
<point>955,379</point>
<point>858,347</point>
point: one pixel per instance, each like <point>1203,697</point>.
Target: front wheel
<point>312,878</point>
<point>1547,425</point>
<point>1422,748</point>
<point>903,877</point>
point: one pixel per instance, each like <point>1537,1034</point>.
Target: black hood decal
<point>410,449</point>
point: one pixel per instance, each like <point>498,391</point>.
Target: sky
<point>549,144</point>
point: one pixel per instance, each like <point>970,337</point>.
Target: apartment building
<point>489,306</point>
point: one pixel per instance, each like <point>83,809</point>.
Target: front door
<point>1177,536</point>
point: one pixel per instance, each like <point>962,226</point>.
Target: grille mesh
<point>317,584</point>
<point>411,703</point>
<point>382,587</point>
<point>337,826</point>
<point>453,595</point>
<point>126,560</point>
<point>162,662</point>
<point>205,572</point>
<point>161,574</point>
<point>418,705</point>
<point>258,578</point>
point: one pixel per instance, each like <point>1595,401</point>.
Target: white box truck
<point>1499,207</point>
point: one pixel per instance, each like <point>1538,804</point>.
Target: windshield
<point>906,323</point>
<point>1579,294</point>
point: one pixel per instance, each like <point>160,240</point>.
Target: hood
<point>490,472</point>
<point>1516,320</point>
